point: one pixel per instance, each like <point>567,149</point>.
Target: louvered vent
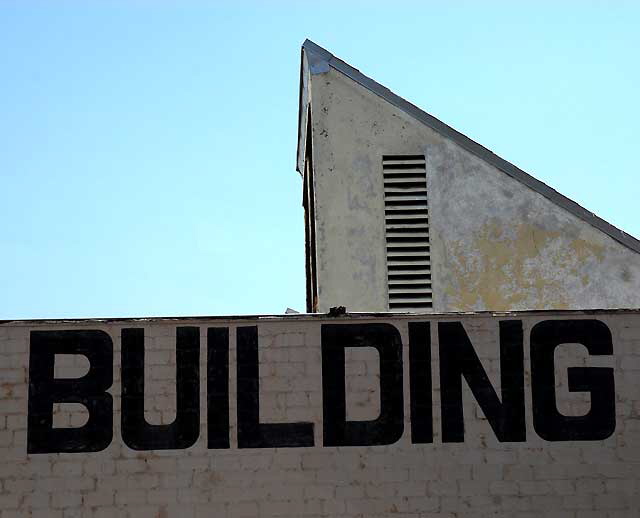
<point>407,232</point>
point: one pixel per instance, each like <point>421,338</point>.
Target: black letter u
<point>184,431</point>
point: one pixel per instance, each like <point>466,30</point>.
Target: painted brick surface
<point>480,476</point>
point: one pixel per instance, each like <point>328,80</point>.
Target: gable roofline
<point>319,60</point>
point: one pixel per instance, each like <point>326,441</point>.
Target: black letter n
<point>458,359</point>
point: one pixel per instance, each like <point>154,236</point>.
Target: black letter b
<point>89,390</point>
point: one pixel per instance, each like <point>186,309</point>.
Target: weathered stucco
<point>504,246</point>
<point>496,244</point>
<point>508,266</point>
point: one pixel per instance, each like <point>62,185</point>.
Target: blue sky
<point>147,149</point>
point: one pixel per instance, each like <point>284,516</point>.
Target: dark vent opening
<point>407,232</point>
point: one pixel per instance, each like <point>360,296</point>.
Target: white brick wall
<point>479,477</point>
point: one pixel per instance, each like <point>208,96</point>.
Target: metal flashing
<point>323,58</point>
<point>318,62</point>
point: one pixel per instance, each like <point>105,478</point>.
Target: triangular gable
<point>316,59</point>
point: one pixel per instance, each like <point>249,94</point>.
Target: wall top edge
<point>302,317</point>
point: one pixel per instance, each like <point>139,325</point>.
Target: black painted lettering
<point>251,432</point>
<point>458,359</point>
<point>389,425</point>
<point>184,431</point>
<point>600,422</point>
<point>420,382</point>
<point>218,387</point>
<point>89,391</point>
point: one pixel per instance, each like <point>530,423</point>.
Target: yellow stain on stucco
<point>500,271</point>
<point>583,250</point>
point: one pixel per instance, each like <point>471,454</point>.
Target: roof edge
<point>322,55</point>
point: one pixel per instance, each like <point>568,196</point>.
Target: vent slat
<point>403,239</point>
<point>408,202</point>
<point>386,158</point>
<point>395,255</point>
<point>390,162</point>
<point>419,228</point>
<point>408,209</point>
<point>409,288</point>
<point>410,300</point>
<point>409,265</point>
<point>409,284</point>
<point>414,225</point>
<point>407,197</point>
<point>404,181</point>
<point>404,278</point>
<point>396,216</point>
<point>394,192</point>
<point>416,175</point>
<point>424,276</point>
<point>407,247</point>
<point>407,232</point>
<point>406,258</point>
